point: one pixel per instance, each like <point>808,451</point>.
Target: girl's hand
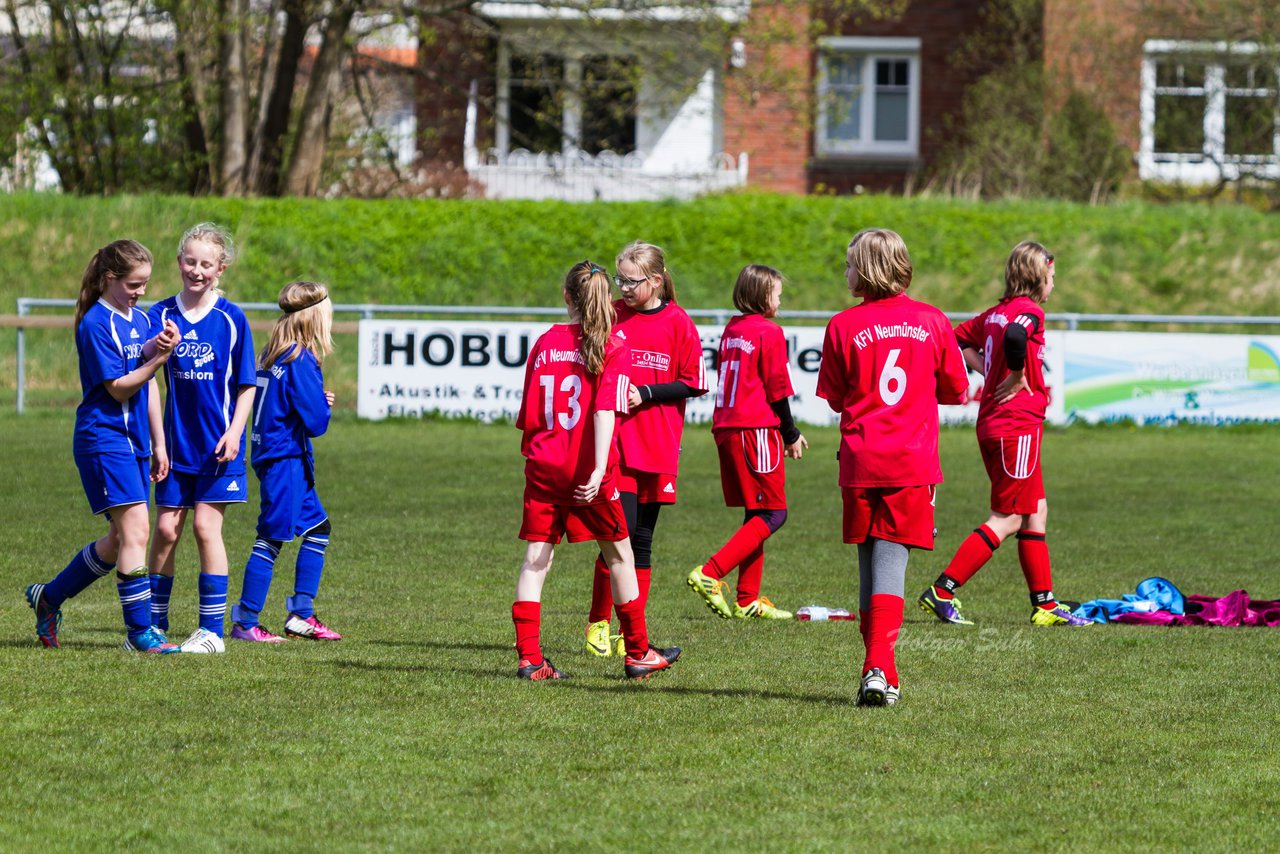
<point>1011,386</point>
<point>328,396</point>
<point>228,447</point>
<point>159,463</point>
<point>588,491</point>
<point>796,449</point>
<point>633,397</point>
<point>168,337</point>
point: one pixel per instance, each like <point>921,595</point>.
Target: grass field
<point>412,733</point>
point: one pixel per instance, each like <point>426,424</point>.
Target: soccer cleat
<point>599,642</point>
<point>946,610</point>
<point>711,590</point>
<point>311,628</point>
<point>48,620</point>
<point>254,634</point>
<point>204,642</point>
<point>1059,615</point>
<point>761,609</point>
<point>150,640</point>
<point>876,690</point>
<point>651,662</point>
<point>538,672</point>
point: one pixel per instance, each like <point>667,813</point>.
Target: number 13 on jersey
<point>568,415</point>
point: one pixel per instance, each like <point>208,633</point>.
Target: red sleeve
<point>611,395</point>
<point>832,375</point>
<point>969,333</point>
<point>953,376</point>
<point>691,368</point>
<point>774,370</point>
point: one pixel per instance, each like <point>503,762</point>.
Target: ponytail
<point>587,286</point>
<point>117,259</point>
<point>652,262</point>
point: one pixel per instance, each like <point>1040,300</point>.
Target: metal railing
<point>720,316</point>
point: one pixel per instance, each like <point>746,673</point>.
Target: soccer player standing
<point>116,424</point>
<point>754,430</point>
<point>886,365</point>
<point>665,368</point>
<point>575,386</point>
<point>211,380</point>
<point>1006,343</point>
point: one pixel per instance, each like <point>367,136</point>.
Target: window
<point>1209,111</point>
<point>868,96</point>
<point>554,104</point>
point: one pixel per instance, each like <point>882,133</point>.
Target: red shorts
<point>1013,465</point>
<point>649,487</point>
<point>899,514</point>
<point>545,522</point>
<point>751,471</point>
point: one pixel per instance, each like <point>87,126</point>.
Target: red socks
<point>880,628</point>
<point>642,580</point>
<point>528,619</point>
<point>1033,554</point>
<point>973,553</point>
<point>635,633</point>
<point>601,593</point>
<point>740,547</point>
<point>749,577</point>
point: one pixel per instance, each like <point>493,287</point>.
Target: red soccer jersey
<point>664,347</point>
<point>886,365</point>
<point>985,333</point>
<point>557,413</point>
<point>753,373</point>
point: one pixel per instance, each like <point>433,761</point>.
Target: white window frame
<point>1212,164</point>
<point>869,49</point>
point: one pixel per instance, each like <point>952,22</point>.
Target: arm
<point>127,386</point>
<point>1015,356</point>
<point>604,421</point>
<point>310,399</point>
<point>155,420</point>
<point>791,435</point>
<point>228,447</point>
<point>662,393</point>
<point>972,359</point>
<point>831,374</point>
<point>953,378</point>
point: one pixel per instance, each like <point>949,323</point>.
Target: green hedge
<point>1130,257</point>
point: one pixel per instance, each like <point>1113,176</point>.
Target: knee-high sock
<point>135,602</point>
<point>161,590</point>
<point>972,555</point>
<point>884,620</point>
<point>84,569</point>
<point>601,593</point>
<point>527,617</point>
<point>741,546</point>
<point>635,630</point>
<point>307,572</point>
<point>213,602</point>
<point>257,582</point>
<point>750,572</point>
<point>1033,554</point>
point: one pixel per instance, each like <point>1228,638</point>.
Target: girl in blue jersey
<point>116,424</point>
<point>211,380</point>
<point>291,408</point>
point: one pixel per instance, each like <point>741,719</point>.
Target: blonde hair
<point>882,262</point>
<point>587,287</point>
<point>116,260</point>
<point>652,262</point>
<point>214,235</point>
<point>307,322</point>
<point>751,291</point>
<point>1027,271</point>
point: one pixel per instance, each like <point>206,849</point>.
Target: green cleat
<point>761,609</point>
<point>1058,616</point>
<point>711,590</point>
<point>598,639</point>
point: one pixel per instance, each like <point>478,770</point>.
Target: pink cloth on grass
<point>1234,609</point>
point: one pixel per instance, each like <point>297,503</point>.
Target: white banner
<point>476,369</point>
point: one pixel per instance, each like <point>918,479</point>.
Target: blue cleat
<point>152,640</point>
<point>48,620</point>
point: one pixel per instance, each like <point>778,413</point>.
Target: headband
<point>304,307</point>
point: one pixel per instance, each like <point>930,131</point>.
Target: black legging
<point>641,520</point>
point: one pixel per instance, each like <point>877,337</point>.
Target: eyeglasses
<point>628,284</point>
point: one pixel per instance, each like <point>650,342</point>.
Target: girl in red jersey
<point>886,365</point>
<point>665,368</point>
<point>754,430</point>
<point>575,382</point>
<point>1006,343</point>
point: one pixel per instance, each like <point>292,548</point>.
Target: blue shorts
<point>183,489</point>
<point>290,506</point>
<point>114,480</point>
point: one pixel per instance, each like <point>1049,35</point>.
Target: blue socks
<point>135,601</point>
<point>84,569</point>
<point>213,602</point>
<point>257,582</point>
<point>309,568</point>
<point>161,588</point>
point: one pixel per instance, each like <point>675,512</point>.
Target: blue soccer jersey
<point>290,409</point>
<point>109,344</point>
<point>211,362</point>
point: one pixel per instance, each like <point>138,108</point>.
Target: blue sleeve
<point>99,353</point>
<point>246,365</point>
<point>155,317</point>
<point>307,388</point>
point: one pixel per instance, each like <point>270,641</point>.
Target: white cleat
<point>203,641</point>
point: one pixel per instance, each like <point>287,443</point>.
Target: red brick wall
<point>453,51</point>
<point>1095,46</point>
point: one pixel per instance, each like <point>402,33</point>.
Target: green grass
<point>413,733</point>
